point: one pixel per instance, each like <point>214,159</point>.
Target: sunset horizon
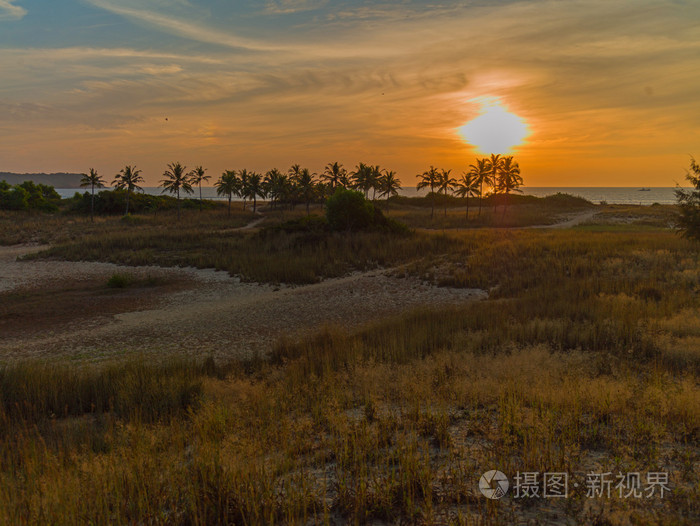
<point>104,84</point>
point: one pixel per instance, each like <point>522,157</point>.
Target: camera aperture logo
<point>493,484</point>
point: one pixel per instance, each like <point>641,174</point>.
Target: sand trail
<point>217,315</point>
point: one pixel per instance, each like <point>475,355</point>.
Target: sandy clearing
<point>219,315</point>
<point>577,219</point>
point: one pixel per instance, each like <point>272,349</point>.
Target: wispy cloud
<point>278,7</point>
<point>9,11</point>
<point>185,28</point>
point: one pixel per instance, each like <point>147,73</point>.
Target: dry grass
<point>35,227</point>
<point>584,359</point>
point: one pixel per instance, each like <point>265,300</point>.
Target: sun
<point>496,130</point>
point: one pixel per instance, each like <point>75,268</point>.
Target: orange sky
<point>608,89</point>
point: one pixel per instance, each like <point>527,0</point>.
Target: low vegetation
<point>583,359</point>
<point>689,203</point>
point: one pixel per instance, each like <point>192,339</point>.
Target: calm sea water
<point>611,195</point>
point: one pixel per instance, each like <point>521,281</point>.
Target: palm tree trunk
<point>178,204</point>
<point>467,207</point>
<point>128,192</point>
<point>229,205</point>
<point>92,205</point>
<point>481,195</point>
<point>255,203</point>
<point>200,197</point>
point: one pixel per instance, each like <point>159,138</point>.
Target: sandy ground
<point>215,314</point>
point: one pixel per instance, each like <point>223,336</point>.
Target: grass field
<point>584,359</point>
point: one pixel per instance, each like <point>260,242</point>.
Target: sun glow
<point>496,130</point>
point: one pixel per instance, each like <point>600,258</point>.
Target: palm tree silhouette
<point>229,185</point>
<point>276,186</point>
<point>445,183</point>
<point>493,165</point>
<point>429,178</point>
<point>128,178</point>
<point>196,178</point>
<point>294,173</point>
<point>306,186</point>
<point>95,181</point>
<point>389,184</point>
<point>375,176</point>
<point>468,186</point>
<point>509,179</point>
<point>363,178</point>
<point>480,171</point>
<point>335,175</point>
<point>254,188</point>
<point>175,180</point>
<point>243,176</point>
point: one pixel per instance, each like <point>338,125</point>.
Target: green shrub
<point>688,221</point>
<point>119,281</point>
<point>28,196</point>
<point>349,210</point>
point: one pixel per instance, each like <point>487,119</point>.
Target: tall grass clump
<point>32,392</point>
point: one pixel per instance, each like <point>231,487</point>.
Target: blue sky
<point>608,88</point>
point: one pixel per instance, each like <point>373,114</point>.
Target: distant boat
<point>645,189</point>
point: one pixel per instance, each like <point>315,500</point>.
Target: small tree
<point>468,186</point>
<point>95,181</point>
<point>389,185</point>
<point>349,210</point>
<point>128,178</point>
<point>509,179</point>
<point>688,221</point>
<point>429,179</point>
<point>229,185</point>
<point>196,177</point>
<point>175,180</point>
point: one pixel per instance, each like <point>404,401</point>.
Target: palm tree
<point>228,184</point>
<point>293,174</point>
<point>445,183</point>
<point>480,171</point>
<point>95,181</point>
<point>509,179</point>
<point>254,188</point>
<point>389,184</point>
<point>244,191</point>
<point>275,185</point>
<point>175,180</point>
<point>375,176</point>
<point>196,178</point>
<point>363,178</point>
<point>468,186</point>
<point>429,178</point>
<point>306,186</point>
<point>335,175</point>
<point>128,178</point>
<point>493,165</point>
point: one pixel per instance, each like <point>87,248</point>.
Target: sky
<point>609,91</point>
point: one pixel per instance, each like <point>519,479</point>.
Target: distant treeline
<point>57,180</point>
<point>110,202</point>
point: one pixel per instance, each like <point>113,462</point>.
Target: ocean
<point>610,195</point>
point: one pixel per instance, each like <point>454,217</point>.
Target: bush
<point>688,221</point>
<point>28,196</point>
<point>119,281</point>
<point>349,210</point>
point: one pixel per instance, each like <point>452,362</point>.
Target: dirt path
<point>218,315</point>
<point>577,219</point>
